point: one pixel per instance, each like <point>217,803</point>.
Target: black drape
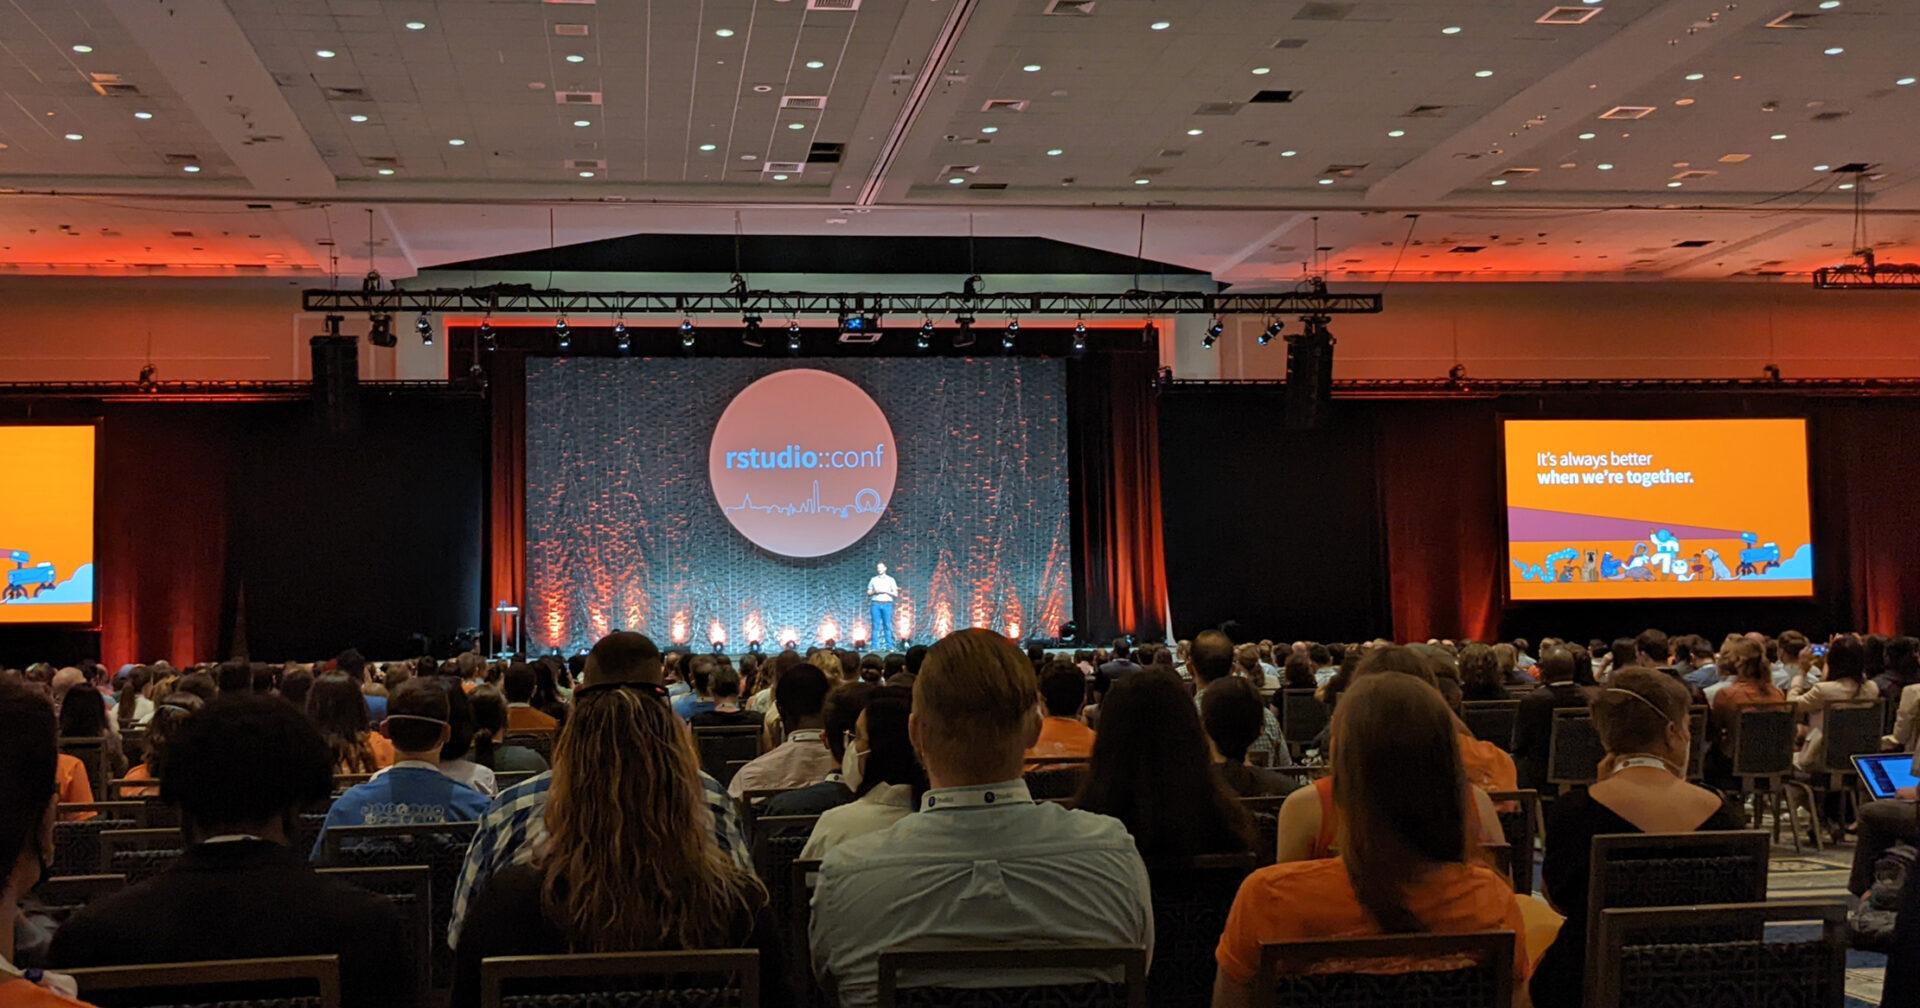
<point>1118,552</point>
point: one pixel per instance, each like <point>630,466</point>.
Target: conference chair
<point>1491,720</point>
<point>1303,717</point>
<point>139,854</point>
<point>538,741</point>
<point>1853,729</point>
<point>92,752</point>
<point>505,779</point>
<point>1191,898</point>
<point>343,781</point>
<point>1055,777</point>
<point>1470,971</point>
<point>777,842</point>
<point>728,977</point>
<point>721,745</point>
<point>1697,743</point>
<point>76,841</point>
<point>803,878</point>
<point>59,896</point>
<point>1640,964</point>
<point>409,889</point>
<point>1574,751</point>
<point>1021,977</point>
<point>1633,870</point>
<point>441,847</point>
<point>291,982</point>
<point>1761,745</point>
<point>1265,813</point>
<point>1521,823</point>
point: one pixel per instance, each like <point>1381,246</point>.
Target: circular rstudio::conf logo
<point>803,463</point>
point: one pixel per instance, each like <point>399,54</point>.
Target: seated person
<point>1408,862</point>
<point>240,772</point>
<point>490,748</point>
<point>981,862</point>
<point>700,669</point>
<point>337,708</point>
<point>727,711</point>
<point>522,716</point>
<point>166,719</point>
<point>885,777</point>
<point>28,795</point>
<point>413,791</point>
<point>1063,691</point>
<point>1642,720</point>
<point>1153,771</point>
<point>459,745</point>
<point>841,715</point>
<point>625,768</point>
<point>1230,710</point>
<point>1533,721</point>
<point>801,759</point>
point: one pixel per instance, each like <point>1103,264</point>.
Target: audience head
<point>1122,649</point>
<point>915,657</point>
<point>137,680</point>
<point>488,706</point>
<point>1582,664</point>
<point>350,663</point>
<point>1246,662</point>
<point>294,687</point>
<point>1297,673</point>
<point>1745,660</point>
<point>1623,652</point>
<point>800,693</point>
<point>725,683</point>
<point>1211,657</point>
<point>1506,659</point>
<point>841,712</point>
<point>84,714</point>
<point>1063,689</point>
<point>518,683</point>
<point>1398,658</point>
<point>1480,668</point>
<point>1151,769</point>
<point>1233,716</point>
<point>883,747</point>
<point>417,719</point>
<point>1903,659</point>
<point>623,656</point>
<point>1846,658</point>
<point>1556,665</point>
<point>1652,647</point>
<point>234,676</point>
<point>247,764</point>
<point>30,753</point>
<point>1644,711</point>
<point>974,709</point>
<point>169,714</point>
<point>1792,644</point>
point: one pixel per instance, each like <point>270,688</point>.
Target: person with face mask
<point>880,769</point>
<point>27,799</point>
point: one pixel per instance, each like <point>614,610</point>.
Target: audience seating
<point>996,962</point>
<point>777,842</point>
<point>139,854</point>
<point>1055,778</point>
<point>1191,898</point>
<point>1465,971</point>
<point>1303,717</point>
<point>751,802</point>
<point>1491,720</point>
<point>92,752</point>
<point>654,979</point>
<point>59,896</point>
<point>504,779</point>
<point>721,745</point>
<point>1639,965</point>
<point>802,878</point>
<point>343,781</point>
<point>1853,729</point>
<point>1265,812</point>
<point>296,982</point>
<point>441,847</point>
<point>538,741</point>
<point>1517,690</point>
<point>1520,821</point>
<point>409,888</point>
<point>1762,756</point>
<point>76,844</point>
<point>1632,870</point>
<point>1574,751</point>
<point>1697,743</point>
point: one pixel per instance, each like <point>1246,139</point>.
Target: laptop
<point>1887,773</point>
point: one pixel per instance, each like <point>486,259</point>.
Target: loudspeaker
<point>1309,376</point>
<point>336,380</point>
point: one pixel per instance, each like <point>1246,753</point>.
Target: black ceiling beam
<point>519,300</point>
<point>1905,276</point>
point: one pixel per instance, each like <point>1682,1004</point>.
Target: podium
<point>506,635</point>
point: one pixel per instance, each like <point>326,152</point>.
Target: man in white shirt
<point>800,761</point>
<point>882,589</point>
<point>981,863</point>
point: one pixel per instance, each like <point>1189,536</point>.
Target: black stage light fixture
<point>924,338</point>
<point>859,328</point>
<point>621,339</point>
<point>963,335</point>
<point>750,333</point>
<point>380,330</point>
<point>424,326</point>
<point>719,647</point>
<point>1080,336</point>
<point>1212,336</point>
<point>1267,335</point>
<point>753,646</point>
<point>793,337</point>
<point>687,333</point>
<point>486,333</point>
<point>563,335</point>
<point>1309,391</point>
<point>1012,333</point>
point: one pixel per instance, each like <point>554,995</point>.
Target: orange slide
<point>46,523</point>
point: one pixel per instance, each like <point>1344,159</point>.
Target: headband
<point>418,717</point>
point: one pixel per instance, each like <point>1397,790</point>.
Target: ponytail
<point>129,697</point>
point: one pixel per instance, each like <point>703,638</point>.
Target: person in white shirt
<point>882,589</point>
<point>981,862</point>
<point>801,760</point>
<point>879,768</point>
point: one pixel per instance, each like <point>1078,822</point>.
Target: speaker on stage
<point>336,377</point>
<point>1309,394</point>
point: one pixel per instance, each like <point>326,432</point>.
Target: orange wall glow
<point>46,524</point>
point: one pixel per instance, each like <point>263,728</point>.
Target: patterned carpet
<point>1823,875</point>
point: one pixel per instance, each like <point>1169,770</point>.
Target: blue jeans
<point>882,626</point>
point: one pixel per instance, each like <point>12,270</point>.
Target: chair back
<point>1697,742</point>
<point>1763,740</point>
<point>139,854</point>
<point>1491,720</point>
<point>504,779</point>
<point>1191,897</point>
<point>725,978</point>
<point>1464,971</point>
<point>721,745</point>
<point>1519,813</point>
<point>441,847</point>
<point>60,895</point>
<point>1574,751</point>
<point>1026,977</point>
<point>777,842</point>
<point>1631,870</point>
<point>538,741</point>
<point>343,781</point>
<point>409,889</point>
<point>76,843</point>
<point>91,751</point>
<point>1303,716</point>
<point>1853,729</point>
<point>1639,966</point>
<point>803,879</point>
<point>1057,780</point>
<point>291,982</point>
<point>1265,813</point>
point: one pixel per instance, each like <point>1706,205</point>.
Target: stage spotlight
<point>424,326</point>
<point>1012,333</point>
<point>753,647</point>
<point>1267,335</point>
<point>1216,328</point>
<point>563,334</point>
<point>621,339</point>
<point>750,333</point>
<point>1212,336</point>
<point>486,333</point>
<point>859,328</point>
<point>1080,336</point>
<point>687,333</point>
<point>963,336</point>
<point>924,339</point>
<point>380,330</point>
<point>719,647</point>
<point>793,337</point>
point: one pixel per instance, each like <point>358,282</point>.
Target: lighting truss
<point>508,300</point>
<point>1905,276</point>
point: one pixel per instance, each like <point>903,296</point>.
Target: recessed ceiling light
<point>143,115</point>
<point>1821,167</point>
<point>1195,132</point>
<point>1055,152</point>
<point>325,53</point>
<point>814,64</point>
<point>1829,4</point>
<point>956,180</point>
<point>989,129</point>
<point>1031,68</point>
<point>1905,82</point>
<point>1396,133</point>
<point>1450,30</point>
<point>456,142</point>
<point>1603,166</point>
<point>723,32</point>
<point>1262,71</point>
<point>416,26</point>
<point>779,178</point>
<point>1498,181</point>
<point>576,58</point>
<point>356,118</point>
<point>1586,136</point>
<point>1326,181</point>
<point>1778,136</point>
<point>586,174</point>
<point>386,171</point>
<point>1161,25</point>
<point>796,125</point>
<point>1675,185</point>
<point>1288,153</point>
<point>1835,50</point>
<point>1844,185</point>
<point>75,136</point>
<point>1696,76</point>
<point>1141,181</point>
<point>583,122</point>
<point>707,147</point>
<point>1483,73</point>
<point>83,48</point>
<point>190,168</point>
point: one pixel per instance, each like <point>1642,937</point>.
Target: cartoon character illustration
<point>1544,570</point>
<point>1720,571</point>
<point>27,579</point>
<point>1610,566</point>
<point>1590,567</point>
<point>1756,558</point>
<point>1666,550</point>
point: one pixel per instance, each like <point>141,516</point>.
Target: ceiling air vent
<point>1568,15</point>
<point>969,141</point>
<point>783,167</point>
<point>1271,97</point>
<point>1172,152</point>
<point>1149,172</point>
<point>1627,112</point>
<point>1827,116</point>
<point>825,153</point>
<point>1004,105</point>
<point>181,159</point>
<point>345,94</point>
<point>1467,249</point>
<point>1290,43</point>
<point>1693,243</point>
<point>803,101</point>
<point>116,90</point>
<point>1792,19</point>
<point>1688,176</point>
<point>576,97</point>
<point>960,169</point>
<point>988,185</point>
<point>1519,172</point>
<point>583,3</point>
<point>586,163</point>
<point>1426,112</point>
<point>1343,170</point>
<point>1324,12</point>
<point>181,234</point>
<point>572,30</point>
<point>1852,168</point>
<point>1071,8</point>
<point>1218,108</point>
<point>833,5</point>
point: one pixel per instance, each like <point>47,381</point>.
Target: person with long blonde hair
<point>630,862</point>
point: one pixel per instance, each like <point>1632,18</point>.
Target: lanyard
<point>1013,792</point>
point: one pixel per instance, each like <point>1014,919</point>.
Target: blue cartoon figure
<point>1757,557</point>
<point>1666,551</point>
<point>1545,570</point>
<point>1610,566</point>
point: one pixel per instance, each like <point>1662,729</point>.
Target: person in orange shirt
<point>1406,866</point>
<point>522,716</point>
<point>29,791</point>
<point>1063,691</point>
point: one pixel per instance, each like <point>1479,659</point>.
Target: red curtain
<point>507,482</point>
<point>1439,480</point>
<point>1866,482</point>
<point>1118,546</point>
